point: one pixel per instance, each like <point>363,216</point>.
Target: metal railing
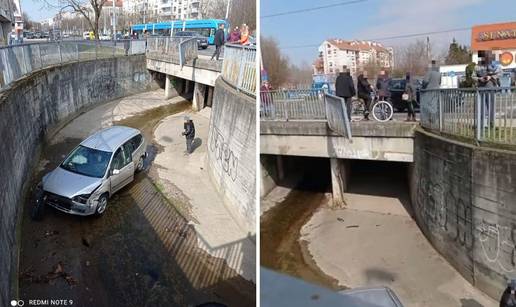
<point>180,49</point>
<point>18,61</point>
<point>484,115</point>
<point>292,104</point>
<point>239,67</point>
<point>337,116</point>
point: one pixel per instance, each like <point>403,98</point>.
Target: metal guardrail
<point>336,115</point>
<point>181,49</point>
<point>308,104</point>
<point>18,61</point>
<point>239,67</point>
<point>292,104</point>
<point>484,115</point>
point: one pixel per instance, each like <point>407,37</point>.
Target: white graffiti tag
<point>498,245</point>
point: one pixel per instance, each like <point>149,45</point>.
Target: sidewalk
<point>179,173</point>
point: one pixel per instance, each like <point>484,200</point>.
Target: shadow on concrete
<point>468,302</point>
<point>379,275</point>
<point>197,142</point>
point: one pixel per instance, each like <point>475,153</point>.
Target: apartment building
<point>356,55</point>
<point>179,9</point>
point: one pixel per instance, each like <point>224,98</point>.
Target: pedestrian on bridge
<point>345,88</point>
<point>234,36</point>
<point>364,90</point>
<point>410,97</point>
<point>189,133</point>
<point>432,78</point>
<point>382,86</point>
<point>219,41</point>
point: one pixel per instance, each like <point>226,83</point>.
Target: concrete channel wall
<point>32,107</point>
<point>232,149</point>
<point>463,198</point>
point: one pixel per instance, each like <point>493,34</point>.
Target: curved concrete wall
<point>28,110</point>
<point>464,200</point>
<point>232,149</point>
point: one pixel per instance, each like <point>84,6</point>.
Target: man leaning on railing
<point>487,76</point>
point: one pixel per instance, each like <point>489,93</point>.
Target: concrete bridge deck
<point>392,141</point>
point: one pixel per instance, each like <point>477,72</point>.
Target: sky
<point>38,10</point>
<point>377,19</point>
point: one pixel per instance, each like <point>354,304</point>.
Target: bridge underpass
<point>359,228</point>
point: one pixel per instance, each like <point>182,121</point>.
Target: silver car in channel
<point>100,166</point>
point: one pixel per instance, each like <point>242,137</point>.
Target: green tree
<point>457,54</point>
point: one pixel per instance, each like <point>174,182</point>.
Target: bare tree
<point>276,64</point>
<point>90,9</point>
<point>300,75</point>
<point>215,9</point>
<point>240,11</point>
<point>411,58</point>
<point>243,11</point>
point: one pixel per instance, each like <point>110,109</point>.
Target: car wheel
<point>206,47</point>
<point>101,205</point>
<point>139,165</point>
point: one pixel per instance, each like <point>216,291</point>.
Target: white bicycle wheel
<point>382,111</point>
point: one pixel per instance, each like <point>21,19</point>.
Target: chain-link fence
<point>21,60</point>
<point>486,114</point>
<point>239,67</point>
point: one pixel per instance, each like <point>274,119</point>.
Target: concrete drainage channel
<point>374,241</point>
<point>141,251</point>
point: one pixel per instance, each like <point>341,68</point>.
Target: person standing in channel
<point>364,90</point>
<point>189,133</point>
<point>219,41</point>
<point>345,88</point>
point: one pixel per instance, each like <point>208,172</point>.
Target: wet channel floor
<point>141,252</point>
<point>280,229</point>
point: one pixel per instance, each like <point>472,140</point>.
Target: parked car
<point>100,166</point>
<point>104,37</point>
<point>202,41</point>
<point>397,88</point>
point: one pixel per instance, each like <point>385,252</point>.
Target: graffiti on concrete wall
<point>223,154</point>
<point>102,83</point>
<point>498,245</point>
<point>439,204</point>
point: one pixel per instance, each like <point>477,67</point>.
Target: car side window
<point>118,160</point>
<point>127,149</point>
<point>136,141</point>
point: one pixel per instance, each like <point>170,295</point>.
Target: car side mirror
<point>115,172</point>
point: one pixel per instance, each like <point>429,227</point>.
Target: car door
<point>122,161</point>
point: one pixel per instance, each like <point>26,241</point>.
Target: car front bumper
<point>69,206</point>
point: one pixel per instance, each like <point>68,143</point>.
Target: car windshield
<point>87,161</point>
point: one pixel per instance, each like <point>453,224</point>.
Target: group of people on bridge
<point>345,88</point>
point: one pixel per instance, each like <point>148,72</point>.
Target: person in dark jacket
<point>410,94</point>
<point>345,88</point>
<point>364,90</point>
<point>189,133</point>
<point>219,41</point>
<point>382,86</point>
